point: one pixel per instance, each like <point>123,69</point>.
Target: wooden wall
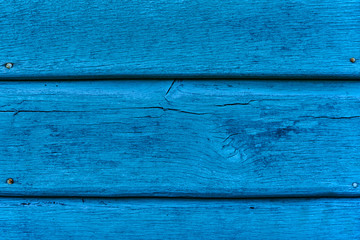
<point>178,38</point>
<point>203,159</point>
<point>158,119</point>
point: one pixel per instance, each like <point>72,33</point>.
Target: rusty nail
<point>352,60</point>
<point>10,181</point>
<point>8,65</point>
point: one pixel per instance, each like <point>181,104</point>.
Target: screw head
<point>352,60</point>
<point>355,185</point>
<point>10,181</point>
<point>8,65</point>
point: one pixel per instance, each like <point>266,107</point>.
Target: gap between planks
<point>280,198</point>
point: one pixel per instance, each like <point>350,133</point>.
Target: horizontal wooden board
<point>202,38</point>
<point>179,219</point>
<point>180,138</point>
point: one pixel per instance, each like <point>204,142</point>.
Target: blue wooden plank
<point>182,138</point>
<point>87,39</point>
<point>179,219</point>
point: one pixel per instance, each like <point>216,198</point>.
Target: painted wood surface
<point>202,38</point>
<point>179,219</point>
<point>180,138</point>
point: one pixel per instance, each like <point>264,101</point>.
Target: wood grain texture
<point>183,138</point>
<point>179,219</point>
<point>202,38</point>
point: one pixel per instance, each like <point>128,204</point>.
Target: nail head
<point>10,181</point>
<point>8,65</point>
<point>355,185</point>
<point>352,60</point>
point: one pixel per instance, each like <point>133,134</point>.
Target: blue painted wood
<point>179,219</point>
<point>204,38</point>
<point>182,138</point>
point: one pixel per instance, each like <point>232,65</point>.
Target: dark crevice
<point>36,111</point>
<point>83,198</point>
<point>198,77</point>
<point>172,84</point>
<point>62,111</point>
<point>234,104</point>
<point>328,117</point>
<point>169,109</point>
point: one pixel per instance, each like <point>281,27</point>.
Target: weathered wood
<point>86,39</point>
<point>183,138</point>
<point>179,219</point>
